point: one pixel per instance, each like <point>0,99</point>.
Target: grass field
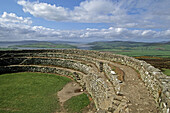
<point>77,103</point>
<point>30,92</point>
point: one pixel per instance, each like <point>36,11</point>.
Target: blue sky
<point>11,6</point>
<point>85,20</point>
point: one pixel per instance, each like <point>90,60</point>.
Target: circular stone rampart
<point>94,72</point>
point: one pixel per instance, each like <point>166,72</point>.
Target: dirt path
<point>69,90</point>
<point>134,89</point>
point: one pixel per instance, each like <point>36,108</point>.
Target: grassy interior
<point>77,103</point>
<point>30,92</point>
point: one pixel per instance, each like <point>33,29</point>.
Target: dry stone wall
<point>54,55</point>
<point>113,78</point>
<point>157,83</point>
<point>76,65</point>
<point>10,61</point>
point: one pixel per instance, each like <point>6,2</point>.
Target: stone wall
<point>157,83</point>
<point>113,78</point>
<point>53,55</point>
<point>76,65</point>
<point>43,69</point>
<point>11,61</point>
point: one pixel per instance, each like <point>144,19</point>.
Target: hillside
<point>161,49</point>
<point>43,45</point>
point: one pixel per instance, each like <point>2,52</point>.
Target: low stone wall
<point>97,88</point>
<point>76,65</point>
<point>53,55</point>
<point>43,69</point>
<point>11,61</point>
<point>157,83</point>
<point>112,78</point>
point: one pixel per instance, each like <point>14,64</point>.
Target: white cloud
<point>49,12</point>
<point>167,32</point>
<point>122,13</point>
<point>89,11</point>
<point>12,30</point>
<point>13,18</point>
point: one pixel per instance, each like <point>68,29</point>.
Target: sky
<point>85,20</point>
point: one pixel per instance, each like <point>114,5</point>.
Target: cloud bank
<point>121,13</point>
<point>15,28</point>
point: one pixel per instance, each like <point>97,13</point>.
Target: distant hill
<point>161,49</point>
<point>43,45</point>
<point>111,44</point>
<point>12,43</point>
<point>133,48</point>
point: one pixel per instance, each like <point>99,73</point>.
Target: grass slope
<point>30,92</point>
<point>77,103</point>
<point>45,45</point>
<point>134,48</point>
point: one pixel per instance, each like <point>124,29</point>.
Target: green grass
<point>45,45</point>
<point>77,103</point>
<point>30,92</point>
<point>166,71</point>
